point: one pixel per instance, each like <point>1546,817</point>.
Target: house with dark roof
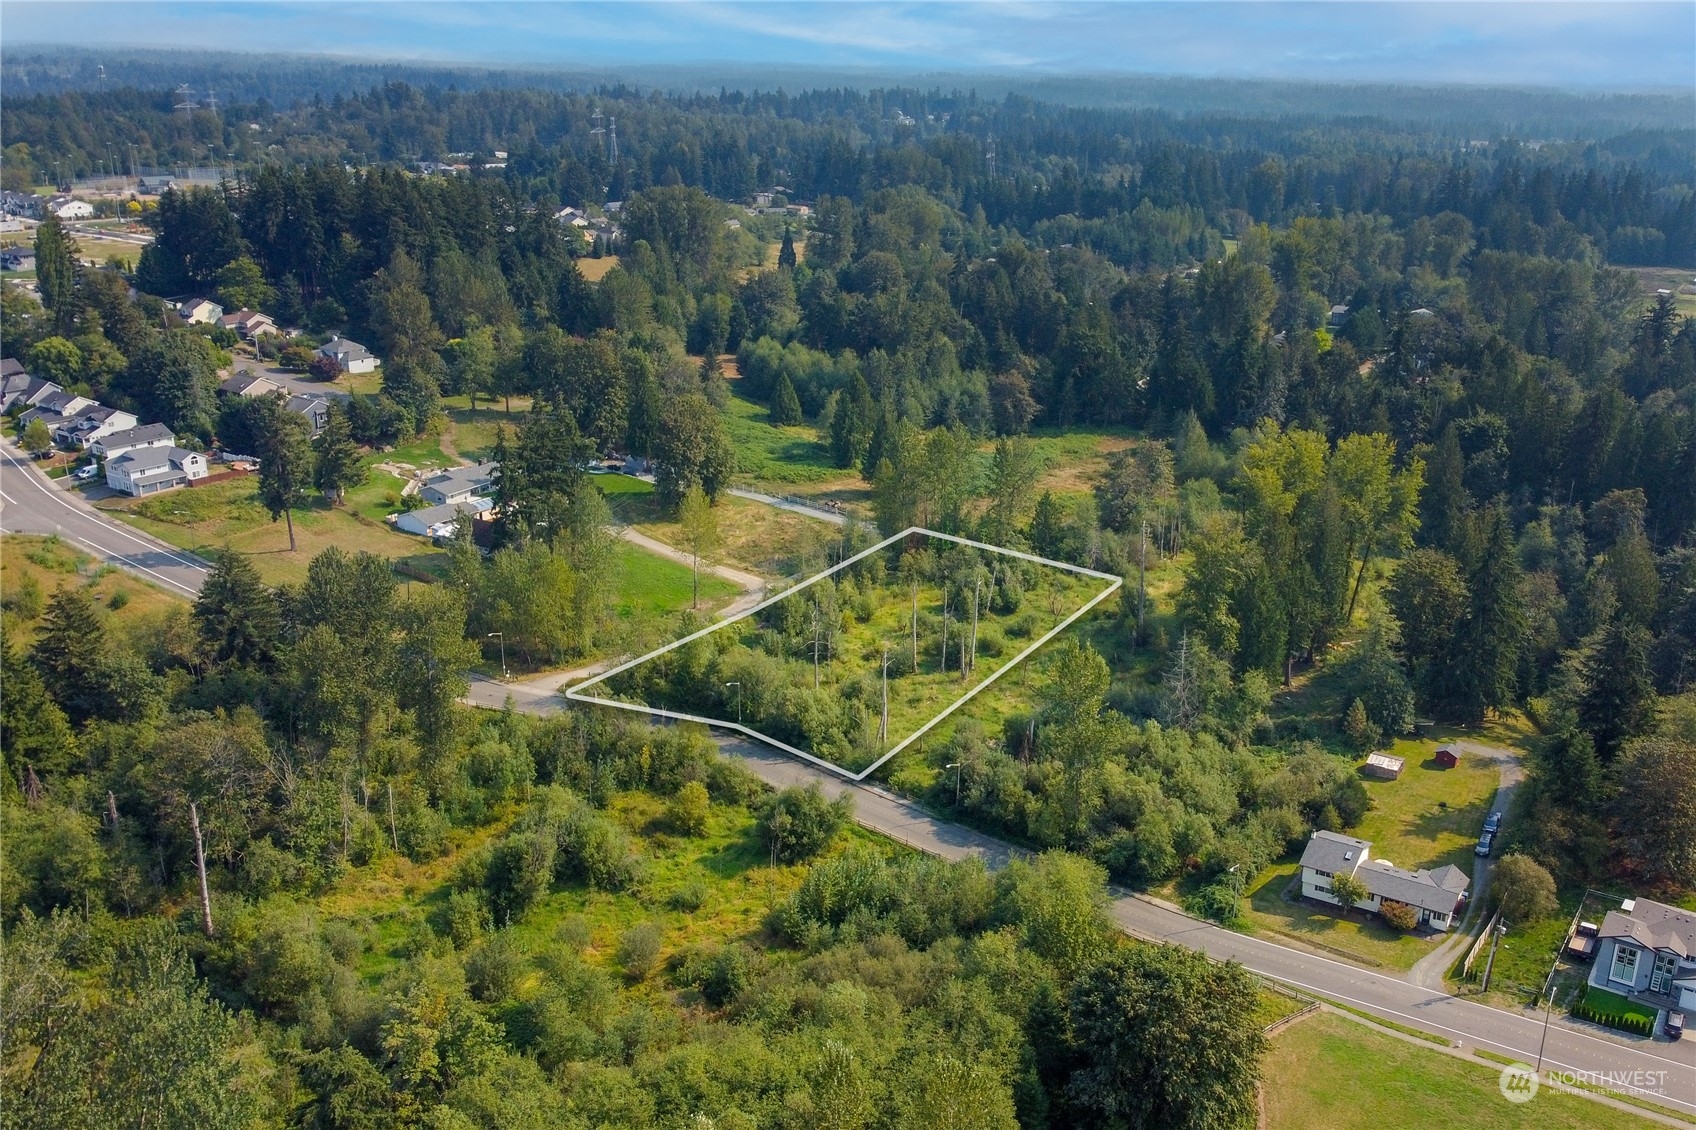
<point>248,383</point>
<point>1646,952</point>
<point>1436,895</point>
<point>249,325</point>
<point>91,423</point>
<point>21,388</point>
<point>202,310</point>
<point>316,409</point>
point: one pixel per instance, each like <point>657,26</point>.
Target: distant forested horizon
<point>1478,111</point>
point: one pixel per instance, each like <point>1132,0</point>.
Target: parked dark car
<point>1493,823</point>
<point>1485,843</point>
<point>1675,1025</point>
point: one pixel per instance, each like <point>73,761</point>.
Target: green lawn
<point>769,454</point>
<point>229,514</point>
<point>1426,818</point>
<point>621,485</point>
<point>649,584</point>
<point>1614,1005</point>
<point>1429,816</point>
<point>1329,1073</point>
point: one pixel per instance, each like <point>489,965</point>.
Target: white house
<point>92,423</point>
<point>202,310</point>
<point>149,470</point>
<point>350,355</point>
<point>459,484</point>
<point>1436,895</point>
<point>1647,953</point>
<point>72,209</point>
<point>441,521</point>
<point>118,443</point>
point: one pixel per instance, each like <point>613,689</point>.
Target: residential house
<point>1646,952</point>
<point>114,444</point>
<point>1339,315</point>
<point>459,484</point>
<point>350,355</point>
<point>21,388</point>
<point>316,409</point>
<point>248,383</point>
<point>68,209</point>
<point>55,408</point>
<point>17,259</point>
<point>149,470</point>
<point>441,521</point>
<point>11,367</point>
<point>202,310</point>
<point>92,423</point>
<point>249,325</point>
<point>20,204</point>
<point>1436,895</point>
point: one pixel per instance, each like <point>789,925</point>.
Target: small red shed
<point>1447,756</point>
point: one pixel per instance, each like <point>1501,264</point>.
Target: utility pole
<point>977,583</point>
<point>200,866</point>
<point>883,724</point>
<point>393,837</point>
<point>1142,579</point>
<point>1490,963</point>
<point>815,647</point>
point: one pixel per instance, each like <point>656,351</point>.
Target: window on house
<point>1625,964</point>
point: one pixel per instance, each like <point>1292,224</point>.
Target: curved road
<point>31,503</point>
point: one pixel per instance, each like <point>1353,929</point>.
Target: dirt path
<point>1428,971</point>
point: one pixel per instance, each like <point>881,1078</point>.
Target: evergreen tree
<point>337,465</point>
<point>34,731</point>
<point>70,653</point>
<point>56,272</point>
<point>1486,658</point>
<point>285,461</point>
<point>1619,695</point>
<point>237,616</point>
<point>786,253</point>
<point>785,406</point>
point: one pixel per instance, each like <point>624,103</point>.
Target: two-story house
<point>1646,951</point>
<point>149,470</point>
<point>349,355</point>
<point>1436,895</point>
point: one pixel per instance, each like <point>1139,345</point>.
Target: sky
<point>1619,45</point>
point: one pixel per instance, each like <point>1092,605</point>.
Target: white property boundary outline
<point>575,694</point>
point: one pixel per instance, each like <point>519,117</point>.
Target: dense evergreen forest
<point>1395,407</point>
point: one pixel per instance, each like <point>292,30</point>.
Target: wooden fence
<point>1478,945</point>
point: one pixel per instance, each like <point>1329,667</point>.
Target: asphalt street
<point>31,503</point>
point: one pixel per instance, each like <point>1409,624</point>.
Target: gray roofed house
<point>10,367</point>
<point>316,409</point>
<point>148,470</point>
<point>21,388</point>
<point>248,384</point>
<point>441,521</point>
<point>92,422</point>
<point>1646,950</point>
<point>147,435</point>
<point>1435,894</point>
<point>457,484</point>
<point>350,355</point>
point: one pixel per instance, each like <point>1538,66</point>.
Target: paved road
<point>31,503</point>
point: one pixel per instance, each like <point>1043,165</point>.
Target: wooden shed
<point>1447,756</point>
<point>1383,766</point>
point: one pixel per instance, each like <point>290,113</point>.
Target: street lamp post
<point>738,685</point>
<point>959,768</point>
<point>502,637</point>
